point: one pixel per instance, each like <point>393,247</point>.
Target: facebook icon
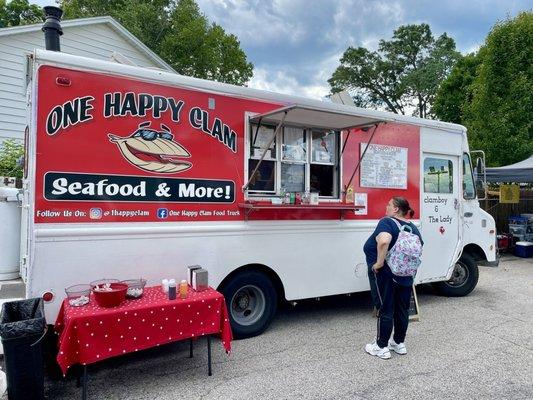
<point>162,213</point>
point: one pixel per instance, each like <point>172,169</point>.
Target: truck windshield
<point>469,191</point>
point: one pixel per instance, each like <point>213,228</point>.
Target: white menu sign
<point>384,167</point>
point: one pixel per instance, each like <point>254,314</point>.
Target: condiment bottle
<point>184,287</point>
<point>164,285</point>
<point>172,289</point>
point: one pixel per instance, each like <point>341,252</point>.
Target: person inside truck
<point>391,294</point>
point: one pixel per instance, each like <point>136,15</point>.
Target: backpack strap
<point>402,227</point>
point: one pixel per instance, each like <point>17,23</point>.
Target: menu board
<point>384,167</point>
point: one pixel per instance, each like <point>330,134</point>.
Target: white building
<point>99,37</point>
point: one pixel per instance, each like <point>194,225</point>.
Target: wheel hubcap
<point>247,305</point>
<point>459,276</point>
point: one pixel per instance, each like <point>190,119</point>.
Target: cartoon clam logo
<point>151,150</point>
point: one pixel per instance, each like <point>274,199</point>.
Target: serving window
<point>297,160</point>
<point>260,140</point>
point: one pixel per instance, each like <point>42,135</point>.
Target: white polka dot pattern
<point>91,333</point>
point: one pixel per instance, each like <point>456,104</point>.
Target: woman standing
<point>392,292</point>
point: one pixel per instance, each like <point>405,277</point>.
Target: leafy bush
<point>11,154</point>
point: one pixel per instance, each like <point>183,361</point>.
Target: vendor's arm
<point>383,240</point>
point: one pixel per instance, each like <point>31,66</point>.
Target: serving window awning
<point>314,117</point>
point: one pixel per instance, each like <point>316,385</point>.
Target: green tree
<point>455,92</point>
<point>19,12</point>
<point>500,114</point>
<point>404,72</point>
<point>178,32</point>
<point>11,152</point>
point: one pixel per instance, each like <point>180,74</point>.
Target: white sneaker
<point>374,350</point>
<point>398,348</point>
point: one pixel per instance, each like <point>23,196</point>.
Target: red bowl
<point>111,298</point>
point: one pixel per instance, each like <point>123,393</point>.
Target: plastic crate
<point>517,220</point>
<point>529,217</point>
<point>517,230</point>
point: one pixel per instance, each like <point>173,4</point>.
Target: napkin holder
<point>190,269</point>
<point>199,279</point>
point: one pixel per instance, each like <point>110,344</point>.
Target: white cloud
<point>295,45</point>
<point>283,82</point>
<point>286,80</point>
<point>359,21</point>
<point>257,22</point>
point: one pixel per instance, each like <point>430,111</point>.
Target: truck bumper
<point>494,263</point>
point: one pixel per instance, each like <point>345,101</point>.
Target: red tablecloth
<point>91,333</point>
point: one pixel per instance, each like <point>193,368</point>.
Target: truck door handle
<point>468,214</point>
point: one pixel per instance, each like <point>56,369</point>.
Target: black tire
<point>252,302</point>
<point>464,278</point>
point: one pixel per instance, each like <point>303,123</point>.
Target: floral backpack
<point>405,256</point>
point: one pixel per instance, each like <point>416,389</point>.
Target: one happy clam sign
<point>141,150</point>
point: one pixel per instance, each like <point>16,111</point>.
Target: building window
<point>438,175</point>
<point>307,160</point>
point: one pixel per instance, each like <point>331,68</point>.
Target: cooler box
<point>523,249</point>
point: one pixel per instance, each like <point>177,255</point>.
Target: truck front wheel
<point>252,302</point>
<point>463,280</point>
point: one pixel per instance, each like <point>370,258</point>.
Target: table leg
<point>190,348</point>
<point>209,355</point>
<point>85,379</point>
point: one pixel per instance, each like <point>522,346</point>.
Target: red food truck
<point>135,172</point>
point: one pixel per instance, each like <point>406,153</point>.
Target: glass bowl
<point>135,288</point>
<point>78,295</point>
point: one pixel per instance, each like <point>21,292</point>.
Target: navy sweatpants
<point>373,286</point>
<point>394,308</point>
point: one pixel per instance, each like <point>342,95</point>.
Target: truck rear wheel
<point>252,301</point>
<point>463,280</point>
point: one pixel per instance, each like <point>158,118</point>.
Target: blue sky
<point>295,45</point>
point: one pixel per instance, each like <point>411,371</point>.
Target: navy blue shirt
<point>370,248</point>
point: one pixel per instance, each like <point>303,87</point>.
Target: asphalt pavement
<point>475,347</point>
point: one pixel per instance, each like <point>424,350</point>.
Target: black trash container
<point>22,328</point>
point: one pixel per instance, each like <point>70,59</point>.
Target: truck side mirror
<point>480,166</point>
<point>481,184</point>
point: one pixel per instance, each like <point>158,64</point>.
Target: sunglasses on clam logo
<point>151,135</point>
